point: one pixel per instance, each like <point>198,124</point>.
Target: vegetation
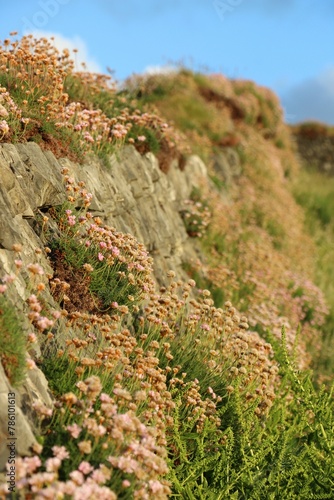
<point>314,191</point>
<point>202,388</point>
<point>12,343</point>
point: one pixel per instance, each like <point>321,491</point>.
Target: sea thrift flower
<point>85,447</point>
<point>52,464</point>
<point>17,247</point>
<point>88,268</point>
<point>71,219</point>
<point>74,430</point>
<point>77,477</point>
<point>60,452</point>
<point>3,111</point>
<point>35,269</point>
<point>31,365</point>
<point>85,467</point>
<point>115,251</point>
<point>4,127</point>
<point>100,256</point>
<point>41,409</point>
<point>43,323</point>
<point>8,278</point>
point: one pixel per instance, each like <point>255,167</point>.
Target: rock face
<point>133,195</point>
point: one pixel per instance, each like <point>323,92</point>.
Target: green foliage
<point>217,293</point>
<point>290,452</point>
<point>108,278</point>
<point>196,216</point>
<point>219,183</point>
<point>279,143</point>
<point>314,191</point>
<point>153,141</point>
<point>12,343</point>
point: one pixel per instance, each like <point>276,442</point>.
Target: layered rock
<point>133,195</point>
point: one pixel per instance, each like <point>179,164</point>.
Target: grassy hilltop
<point>217,387</point>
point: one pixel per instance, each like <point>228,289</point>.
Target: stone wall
<point>133,195</point>
<point>316,150</point>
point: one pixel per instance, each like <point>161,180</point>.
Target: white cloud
<point>82,56</point>
<point>312,99</point>
<point>326,79</point>
<point>160,70</point>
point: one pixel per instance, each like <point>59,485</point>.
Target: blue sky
<point>287,45</point>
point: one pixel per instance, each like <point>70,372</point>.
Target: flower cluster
<point>68,101</point>
<point>196,217</point>
<point>113,266</point>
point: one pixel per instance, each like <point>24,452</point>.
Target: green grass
<point>314,191</point>
<point>12,343</point>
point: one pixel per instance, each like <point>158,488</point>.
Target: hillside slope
<point>158,305</point>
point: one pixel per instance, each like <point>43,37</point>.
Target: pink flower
<point>105,398</point>
<point>74,430</point>
<point>31,463</point>
<point>4,127</point>
<point>43,323</point>
<point>53,464</point>
<point>60,452</point>
<point>32,338</point>
<point>100,257</point>
<point>31,365</point>
<point>98,476</point>
<point>35,269</point>
<point>9,278</point>
<point>85,467</point>
<point>155,486</point>
<point>77,477</point>
<point>71,220</point>
<point>141,138</point>
<point>3,288</point>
